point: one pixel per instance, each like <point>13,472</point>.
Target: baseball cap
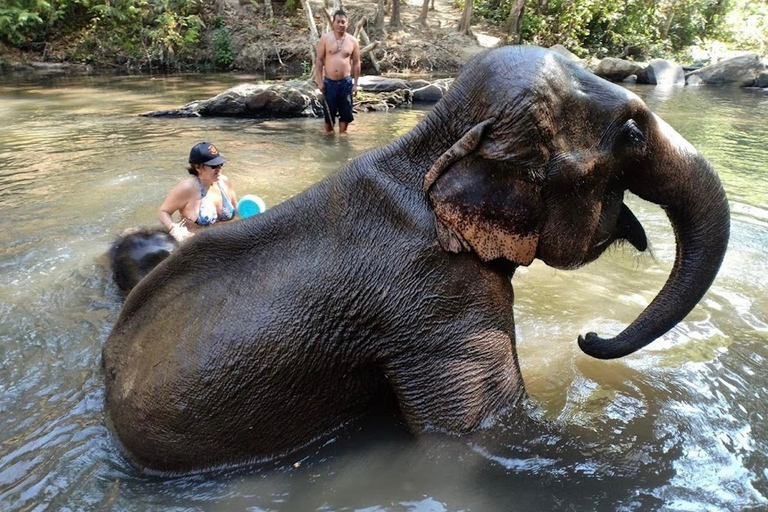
<point>205,153</point>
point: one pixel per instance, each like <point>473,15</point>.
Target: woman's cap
<point>205,153</point>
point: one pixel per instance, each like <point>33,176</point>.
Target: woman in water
<point>204,198</point>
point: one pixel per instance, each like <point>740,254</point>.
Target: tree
<point>514,24</point>
<point>424,10</point>
<point>378,23</point>
<point>466,19</point>
<point>394,19</point>
<point>314,37</point>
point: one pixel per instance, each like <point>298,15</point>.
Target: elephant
<point>389,283</point>
<point>136,252</point>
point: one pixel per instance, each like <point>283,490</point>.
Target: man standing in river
<point>338,70</point>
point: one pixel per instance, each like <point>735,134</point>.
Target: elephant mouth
<point>628,229</point>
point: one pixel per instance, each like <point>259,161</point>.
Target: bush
<point>160,31</point>
<point>605,27</point>
<point>223,50</point>
<point>24,22</point>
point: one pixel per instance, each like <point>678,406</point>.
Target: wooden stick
<point>369,48</point>
<point>327,15</point>
<point>359,25</point>
<point>367,42</point>
<point>313,36</point>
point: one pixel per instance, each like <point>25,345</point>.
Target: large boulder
<point>565,52</point>
<point>289,99</point>
<point>303,99</point>
<point>381,84</point>
<point>432,93</point>
<point>416,84</point>
<point>762,80</point>
<point>616,70</point>
<point>631,79</point>
<point>662,72</point>
<point>742,71</point>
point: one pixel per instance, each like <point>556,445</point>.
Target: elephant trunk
<point>695,202</point>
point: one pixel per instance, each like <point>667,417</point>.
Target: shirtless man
<point>338,61</point>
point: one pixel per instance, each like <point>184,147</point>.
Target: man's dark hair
<point>339,12</point>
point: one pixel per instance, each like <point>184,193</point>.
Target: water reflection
<point>679,425</point>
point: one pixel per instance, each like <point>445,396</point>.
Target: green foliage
<point>306,69</point>
<point>223,49</point>
<point>159,31</point>
<point>604,27</point>
<point>24,20</point>
<point>747,25</point>
<point>168,33</point>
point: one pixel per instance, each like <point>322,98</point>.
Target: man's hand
<point>321,86</point>
<point>354,89</point>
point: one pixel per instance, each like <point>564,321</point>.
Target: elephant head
<point>544,154</point>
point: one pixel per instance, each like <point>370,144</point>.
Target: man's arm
<point>320,63</point>
<point>355,66</point>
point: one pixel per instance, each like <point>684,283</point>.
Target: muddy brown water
<point>680,425</point>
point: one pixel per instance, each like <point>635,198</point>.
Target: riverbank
<point>241,37</point>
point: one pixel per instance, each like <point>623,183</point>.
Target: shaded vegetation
<point>188,34</point>
<point>615,27</point>
<point>159,32</point>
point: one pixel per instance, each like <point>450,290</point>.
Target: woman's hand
<point>179,232</point>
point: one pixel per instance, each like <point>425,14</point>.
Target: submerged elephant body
<point>389,282</point>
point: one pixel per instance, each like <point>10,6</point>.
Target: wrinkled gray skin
<point>389,282</point>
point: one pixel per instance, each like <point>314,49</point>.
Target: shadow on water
<point>681,425</point>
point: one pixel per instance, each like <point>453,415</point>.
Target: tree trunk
<point>670,15</point>
<point>378,23</point>
<point>314,38</point>
<point>313,35</point>
<point>424,10</point>
<point>466,18</point>
<point>327,8</point>
<point>514,23</point>
<point>268,9</point>
<point>394,19</point>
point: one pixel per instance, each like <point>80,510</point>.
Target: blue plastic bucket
<point>250,205</point>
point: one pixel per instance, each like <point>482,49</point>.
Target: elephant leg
<point>457,388</point>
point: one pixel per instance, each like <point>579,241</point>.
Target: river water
<point>680,425</point>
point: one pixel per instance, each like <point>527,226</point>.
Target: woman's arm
<point>177,199</point>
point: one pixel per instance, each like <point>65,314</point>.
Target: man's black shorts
<point>338,100</point>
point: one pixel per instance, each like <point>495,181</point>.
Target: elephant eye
<point>633,133</point>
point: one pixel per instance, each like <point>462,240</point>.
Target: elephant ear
<point>481,204</point>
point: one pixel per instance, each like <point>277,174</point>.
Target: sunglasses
<point>214,167</point>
